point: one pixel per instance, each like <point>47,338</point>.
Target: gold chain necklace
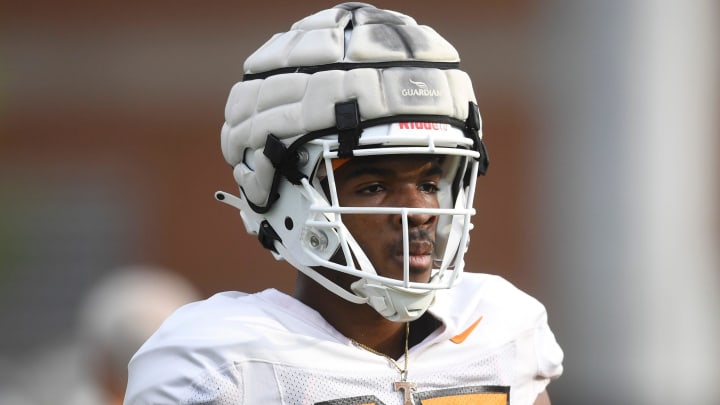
<point>403,385</point>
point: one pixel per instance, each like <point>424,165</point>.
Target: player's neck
<point>356,321</point>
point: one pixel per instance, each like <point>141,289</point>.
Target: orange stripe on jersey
<point>483,398</point>
<point>461,337</point>
<point>363,400</point>
<point>478,395</point>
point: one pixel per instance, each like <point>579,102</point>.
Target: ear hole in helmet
<point>289,223</point>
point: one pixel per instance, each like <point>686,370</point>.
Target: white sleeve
<point>540,362</point>
<point>174,384</point>
<point>549,356</point>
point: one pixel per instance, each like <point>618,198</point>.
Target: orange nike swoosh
<point>461,337</point>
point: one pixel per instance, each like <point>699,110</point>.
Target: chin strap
<point>319,278</point>
<point>395,303</point>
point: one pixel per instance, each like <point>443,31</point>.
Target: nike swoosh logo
<point>461,337</point>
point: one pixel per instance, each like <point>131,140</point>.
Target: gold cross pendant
<point>407,388</point>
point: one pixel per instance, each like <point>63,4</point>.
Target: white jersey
<point>494,347</point>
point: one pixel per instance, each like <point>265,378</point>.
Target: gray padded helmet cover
<point>385,79</point>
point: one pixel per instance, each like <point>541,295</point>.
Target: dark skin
<point>399,181</point>
<point>407,181</point>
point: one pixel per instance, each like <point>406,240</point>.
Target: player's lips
<point>420,255</point>
<point>421,262</point>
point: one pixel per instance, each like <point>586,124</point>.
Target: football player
<point>356,142</point>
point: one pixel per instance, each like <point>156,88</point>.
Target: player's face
<point>392,181</point>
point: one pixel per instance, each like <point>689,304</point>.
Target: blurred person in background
<point>118,314</point>
<point>13,390</point>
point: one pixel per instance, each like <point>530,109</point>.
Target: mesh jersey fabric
<point>268,348</point>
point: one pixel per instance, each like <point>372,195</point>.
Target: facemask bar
<point>369,271</point>
<point>329,217</point>
<point>319,235</point>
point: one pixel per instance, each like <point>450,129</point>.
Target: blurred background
<point>602,199</point>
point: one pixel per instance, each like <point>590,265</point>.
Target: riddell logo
<point>420,89</point>
<point>432,126</point>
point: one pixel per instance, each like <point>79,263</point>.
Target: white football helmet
<point>349,81</point>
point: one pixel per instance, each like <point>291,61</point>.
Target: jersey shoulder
<point>490,312</point>
<point>490,297</point>
<point>487,316</point>
<point>207,336</point>
<point>215,317</point>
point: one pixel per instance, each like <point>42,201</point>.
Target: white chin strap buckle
<point>394,303</point>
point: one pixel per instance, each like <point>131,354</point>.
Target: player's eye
<point>429,187</point>
<point>371,189</point>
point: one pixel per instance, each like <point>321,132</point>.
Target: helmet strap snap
<point>347,120</point>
